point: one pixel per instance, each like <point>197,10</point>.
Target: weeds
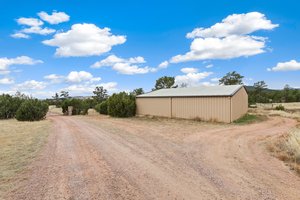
<point>249,119</point>
<point>287,149</point>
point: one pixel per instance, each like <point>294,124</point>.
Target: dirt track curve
<point>104,158</point>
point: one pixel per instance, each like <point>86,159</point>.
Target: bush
<point>121,105</point>
<point>279,107</point>
<point>9,106</point>
<point>80,107</point>
<point>249,118</point>
<point>102,108</point>
<point>32,110</point>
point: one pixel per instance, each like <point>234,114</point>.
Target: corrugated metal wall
<point>153,106</point>
<point>239,104</point>
<point>204,108</point>
<point>221,109</point>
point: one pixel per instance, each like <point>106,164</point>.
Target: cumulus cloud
<point>77,77</point>
<point>6,81</point>
<point>54,18</point>
<point>189,70</point>
<point>73,77</point>
<point>84,40</point>
<point>236,24</point>
<point>54,78</point>
<point>191,77</point>
<point>79,89</point>
<point>215,79</point>
<point>30,85</point>
<point>38,30</point>
<point>20,35</point>
<point>128,66</point>
<point>29,21</point>
<point>292,65</point>
<point>222,48</point>
<point>164,64</point>
<point>209,66</point>
<point>32,26</point>
<point>5,63</point>
<point>228,39</point>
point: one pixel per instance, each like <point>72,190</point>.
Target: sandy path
<point>92,158</point>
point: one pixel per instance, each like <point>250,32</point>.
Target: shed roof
<point>205,91</point>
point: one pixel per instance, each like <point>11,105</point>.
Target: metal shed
<point>208,103</point>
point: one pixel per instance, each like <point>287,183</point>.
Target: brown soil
<point>105,158</point>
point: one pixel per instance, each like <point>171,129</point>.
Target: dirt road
<point>104,158</point>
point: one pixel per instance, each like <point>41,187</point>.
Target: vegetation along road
<point>105,158</point>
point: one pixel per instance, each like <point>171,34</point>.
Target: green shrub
<point>249,118</point>
<point>279,107</point>
<point>80,107</point>
<point>121,105</point>
<point>9,106</point>
<point>102,108</point>
<point>32,110</point>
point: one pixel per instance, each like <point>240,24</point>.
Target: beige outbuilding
<point>207,103</point>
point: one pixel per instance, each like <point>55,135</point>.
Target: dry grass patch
<point>19,144</point>
<point>287,149</point>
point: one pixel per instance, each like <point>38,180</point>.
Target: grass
<point>19,144</point>
<point>249,119</point>
<point>287,149</point>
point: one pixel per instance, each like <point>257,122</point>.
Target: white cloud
<point>84,40</point>
<point>209,66</point>
<point>129,69</point>
<point>87,89</point>
<point>164,64</point>
<point>20,35</point>
<point>236,24</point>
<point>215,79</point>
<point>206,83</point>
<point>292,65</point>
<point>112,60</point>
<point>191,79</point>
<point>77,77</point>
<point>189,70</point>
<point>4,72</point>
<point>54,18</point>
<point>30,85</point>
<point>29,21</point>
<point>124,66</point>
<point>6,81</point>
<point>34,26</point>
<point>21,60</point>
<point>222,48</point>
<point>228,39</point>
<point>54,78</point>
<point>38,30</point>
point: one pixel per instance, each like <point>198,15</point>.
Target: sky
<point>76,45</point>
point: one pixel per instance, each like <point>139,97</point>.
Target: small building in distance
<point>208,103</point>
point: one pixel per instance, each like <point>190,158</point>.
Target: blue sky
<point>49,46</point>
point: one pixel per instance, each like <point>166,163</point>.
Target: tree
<point>121,105</point>
<point>9,106</point>
<point>164,82</point>
<point>102,108</point>
<point>21,95</point>
<point>64,94</point>
<point>32,110</point>
<point>100,94</point>
<point>232,78</point>
<point>259,87</point>
<point>137,91</point>
<point>56,99</point>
